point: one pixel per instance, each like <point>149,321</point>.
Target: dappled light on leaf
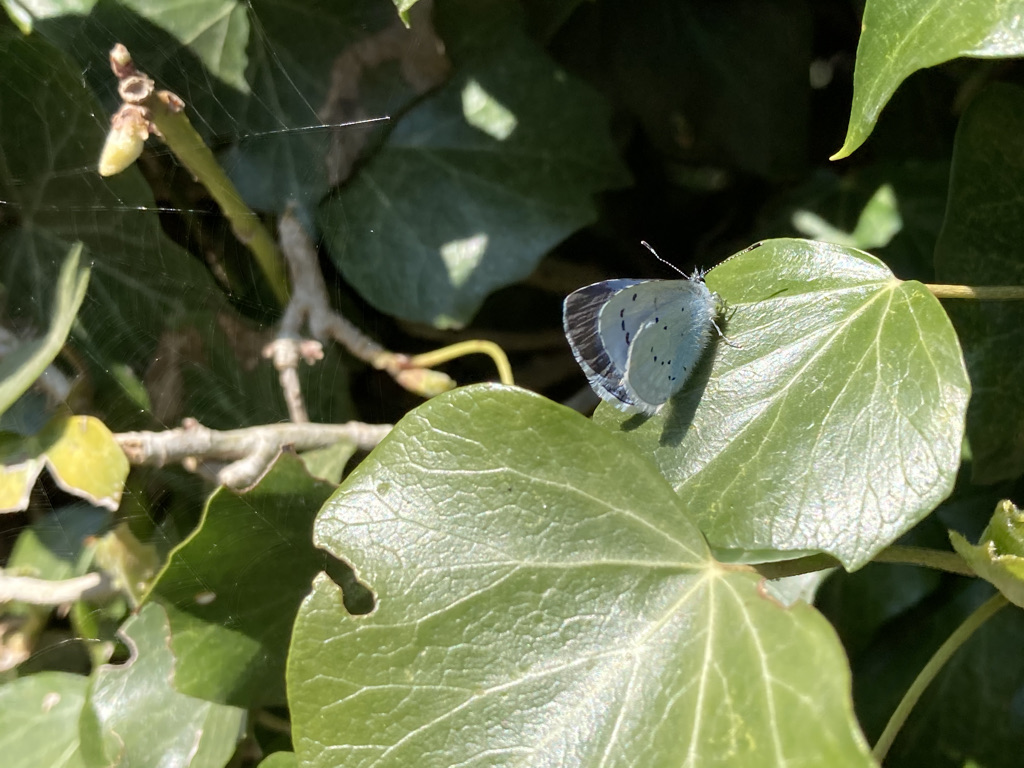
<point>485,112</point>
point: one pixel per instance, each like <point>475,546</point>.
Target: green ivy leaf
<point>232,588</point>
<point>543,597</point>
<point>81,454</point>
<point>476,183</point>
<point>982,243</point>
<point>22,366</point>
<point>155,725</point>
<point>346,62</point>
<point>40,714</point>
<point>877,225</point>
<point>998,556</point>
<point>215,32</point>
<point>900,37</point>
<point>832,421</point>
<point>718,85</point>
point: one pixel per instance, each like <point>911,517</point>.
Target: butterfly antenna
<point>647,245</point>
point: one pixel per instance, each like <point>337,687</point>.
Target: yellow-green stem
<point>463,348</point>
<point>960,636</point>
<point>978,293</point>
<point>190,149</point>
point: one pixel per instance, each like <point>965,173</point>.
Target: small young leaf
<point>544,598</point>
<point>81,455</point>
<point>998,556</point>
<point>900,37</point>
<point>833,419</point>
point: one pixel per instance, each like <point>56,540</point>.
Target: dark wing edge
<point>581,314</point>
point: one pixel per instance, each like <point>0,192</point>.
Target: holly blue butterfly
<point>638,341</point>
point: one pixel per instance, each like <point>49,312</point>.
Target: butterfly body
<point>639,340</point>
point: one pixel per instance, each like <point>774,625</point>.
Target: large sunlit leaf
<point>232,588</point>
<point>155,725</point>
<point>831,421</point>
<point>900,37</point>
<point>982,243</point>
<point>22,366</point>
<point>40,716</point>
<point>544,598</point>
<point>477,182</point>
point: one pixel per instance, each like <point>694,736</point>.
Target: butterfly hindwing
<point>666,349</point>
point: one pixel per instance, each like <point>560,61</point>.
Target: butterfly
<point>638,341</point>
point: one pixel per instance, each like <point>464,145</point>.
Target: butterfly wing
<point>602,354</point>
<point>666,349</point>
<point>638,340</point>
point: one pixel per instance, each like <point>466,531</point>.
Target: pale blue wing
<point>606,322</point>
<point>665,351</point>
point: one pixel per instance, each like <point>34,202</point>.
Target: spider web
<point>175,317</point>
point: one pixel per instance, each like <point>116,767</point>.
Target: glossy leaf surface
<point>545,599</point>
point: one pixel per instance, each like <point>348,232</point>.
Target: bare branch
<point>251,449</point>
<point>25,589</point>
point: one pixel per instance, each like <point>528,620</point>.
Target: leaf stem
<point>924,678</point>
<point>937,559</point>
<point>463,348</point>
<point>979,293</point>
<point>165,113</point>
<point>191,150</point>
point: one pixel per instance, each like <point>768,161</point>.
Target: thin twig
<point>25,589</point>
<point>309,304</point>
<point>193,439</point>
<point>285,352</point>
